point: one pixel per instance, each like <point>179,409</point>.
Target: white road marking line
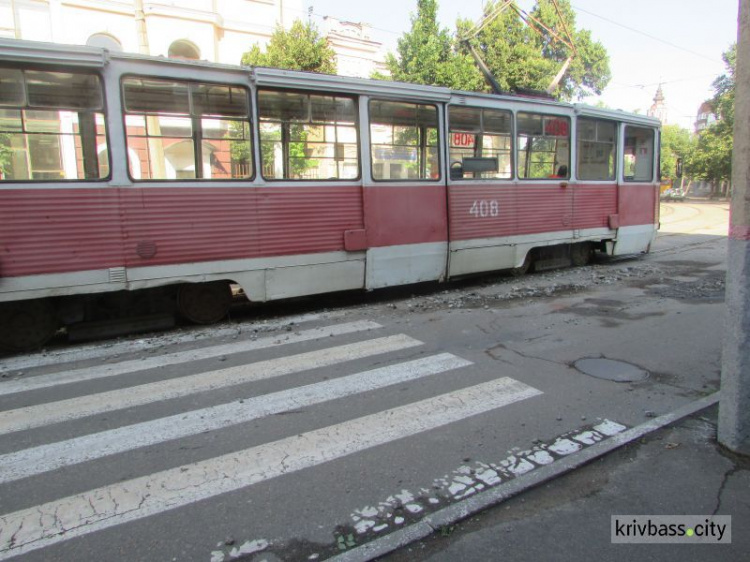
<point>103,371</point>
<point>81,514</point>
<point>37,460</point>
<point>104,349</point>
<point>74,408</point>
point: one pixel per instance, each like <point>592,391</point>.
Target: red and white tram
<point>165,180</point>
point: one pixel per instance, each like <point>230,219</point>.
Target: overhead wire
<point>654,37</point>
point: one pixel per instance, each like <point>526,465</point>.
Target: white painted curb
<point>498,494</point>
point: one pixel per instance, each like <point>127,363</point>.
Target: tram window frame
<point>423,143</point>
<point>479,128</point>
<point>36,112</point>
<point>192,118</point>
<point>594,142</point>
<point>306,128</point>
<point>628,163</point>
<point>542,133</point>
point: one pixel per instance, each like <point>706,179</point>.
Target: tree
<point>5,154</point>
<point>520,56</point>
<point>676,142</point>
<point>299,48</point>
<point>426,55</point>
<point>712,158</point>
<point>723,100</point>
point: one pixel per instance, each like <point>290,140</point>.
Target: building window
<point>184,49</point>
<point>51,125</point>
<point>480,142</point>
<point>543,146</point>
<point>308,136</point>
<point>187,130</point>
<point>595,149</point>
<point>404,141</point>
<point>105,41</point>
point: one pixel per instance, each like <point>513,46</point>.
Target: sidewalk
<point>677,470</point>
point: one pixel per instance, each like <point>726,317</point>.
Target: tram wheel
<point>26,325</point>
<point>204,303</point>
<point>524,268</point>
<point>580,254</point>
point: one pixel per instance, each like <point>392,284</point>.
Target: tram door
<point>545,198</point>
<point>405,207</point>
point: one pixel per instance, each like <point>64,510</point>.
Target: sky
<point>677,43</point>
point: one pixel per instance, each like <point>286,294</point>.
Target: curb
<point>499,494</point>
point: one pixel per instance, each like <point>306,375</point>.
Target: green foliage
<point>239,151</point>
<point>712,158</point>
<point>426,55</point>
<point>517,56</point>
<point>299,162</point>
<point>5,154</point>
<point>299,48</point>
<point>676,142</point>
<point>522,57</point>
<point>723,100</point>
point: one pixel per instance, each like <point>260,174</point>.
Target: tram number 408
<point>482,209</point>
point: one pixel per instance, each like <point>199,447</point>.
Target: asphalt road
<point>305,435</point>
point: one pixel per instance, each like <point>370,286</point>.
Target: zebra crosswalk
<point>389,360</point>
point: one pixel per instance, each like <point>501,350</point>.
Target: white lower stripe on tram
<point>74,408</point>
<point>29,462</point>
<point>124,367</point>
<point>74,516</point>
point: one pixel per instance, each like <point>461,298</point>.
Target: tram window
<point>60,89</point>
<point>543,146</point>
<point>179,130</point>
<point>51,126</point>
<point>308,136</point>
<point>638,154</point>
<point>480,142</point>
<point>404,141</point>
<point>595,149</point>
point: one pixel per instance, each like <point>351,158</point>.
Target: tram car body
<point>172,179</point>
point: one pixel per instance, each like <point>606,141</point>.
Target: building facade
<point>212,30</point>
<point>44,145</point>
<point>705,117</point>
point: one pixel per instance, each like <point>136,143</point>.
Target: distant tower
<point>658,109</point>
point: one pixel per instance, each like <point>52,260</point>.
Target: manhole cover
<point>611,370</point>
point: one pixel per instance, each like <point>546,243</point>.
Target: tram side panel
<point>58,241</point>
<point>595,207</point>
<point>303,239</point>
<point>407,233</point>
<point>638,217</point>
<point>276,242</point>
<point>494,226</point>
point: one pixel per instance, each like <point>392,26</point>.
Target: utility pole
<point>140,26</point>
<point>734,407</point>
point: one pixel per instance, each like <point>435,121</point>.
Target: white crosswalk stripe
<point>90,351</point>
<point>65,410</point>
<point>125,367</point>
<point>128,501</point>
<point>169,484</point>
<point>49,457</point>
